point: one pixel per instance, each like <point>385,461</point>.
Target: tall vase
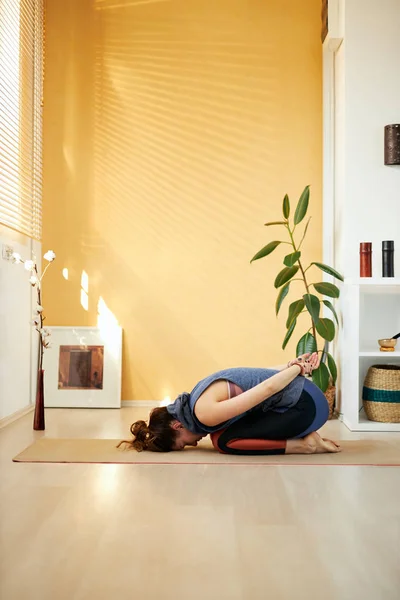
<point>38,419</point>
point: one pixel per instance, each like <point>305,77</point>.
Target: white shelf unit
<point>387,282</point>
<point>380,354</point>
<point>371,311</point>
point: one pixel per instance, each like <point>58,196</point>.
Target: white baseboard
<point>17,415</point>
<point>124,404</point>
<point>141,403</point>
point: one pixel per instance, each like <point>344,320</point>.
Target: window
<point>21,91</point>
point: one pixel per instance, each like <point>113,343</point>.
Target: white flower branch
<point>35,281</point>
<point>29,265</point>
<point>50,255</point>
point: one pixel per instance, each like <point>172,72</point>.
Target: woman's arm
<point>278,367</point>
<point>211,410</point>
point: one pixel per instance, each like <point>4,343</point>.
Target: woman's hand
<point>312,363</point>
<point>309,362</point>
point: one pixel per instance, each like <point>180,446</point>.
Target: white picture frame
<point>82,368</point>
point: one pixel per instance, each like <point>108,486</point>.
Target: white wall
<point>367,79</point>
<point>16,376</point>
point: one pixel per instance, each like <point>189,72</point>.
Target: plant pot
<point>330,395</point>
<point>38,419</point>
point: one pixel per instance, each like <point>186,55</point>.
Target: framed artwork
<point>83,368</point>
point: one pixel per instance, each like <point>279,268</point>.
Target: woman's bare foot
<point>311,444</point>
<point>322,445</point>
<point>338,446</point>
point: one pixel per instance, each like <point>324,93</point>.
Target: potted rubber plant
<point>321,328</point>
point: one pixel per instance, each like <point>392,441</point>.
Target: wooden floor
<point>172,532</point>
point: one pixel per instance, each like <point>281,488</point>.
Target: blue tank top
<point>244,377</point>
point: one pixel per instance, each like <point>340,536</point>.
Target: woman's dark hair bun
<point>158,436</point>
<point>140,431</point>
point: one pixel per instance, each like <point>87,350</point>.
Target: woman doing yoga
<point>246,411</point>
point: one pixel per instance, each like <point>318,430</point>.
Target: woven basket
<point>381,393</point>
<point>330,395</point>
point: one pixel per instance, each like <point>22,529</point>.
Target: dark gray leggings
<point>294,423</point>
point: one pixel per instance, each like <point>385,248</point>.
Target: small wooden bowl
<point>387,345</point>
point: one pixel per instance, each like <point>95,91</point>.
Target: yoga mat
<point>55,450</point>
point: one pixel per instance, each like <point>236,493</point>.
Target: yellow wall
<point>172,130</point>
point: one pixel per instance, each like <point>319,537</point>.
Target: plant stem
<point>46,267</point>
<point>304,278</point>
<point>39,301</point>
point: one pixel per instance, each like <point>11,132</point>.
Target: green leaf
<point>321,377</point>
<point>332,367</point>
<point>328,270</point>
<point>306,345</point>
<point>302,206</point>
<point>283,292</point>
<point>286,207</point>
<point>291,259</point>
<point>285,275</point>
<point>305,231</point>
<point>275,223</point>
<point>332,308</point>
<point>313,306</point>
<point>289,334</point>
<point>327,289</point>
<point>326,329</point>
<point>266,250</point>
<point>294,310</point>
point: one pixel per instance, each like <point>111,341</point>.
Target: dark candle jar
<point>388,258</point>
<point>365,259</point>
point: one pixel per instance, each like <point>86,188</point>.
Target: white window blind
<point>21,92</point>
